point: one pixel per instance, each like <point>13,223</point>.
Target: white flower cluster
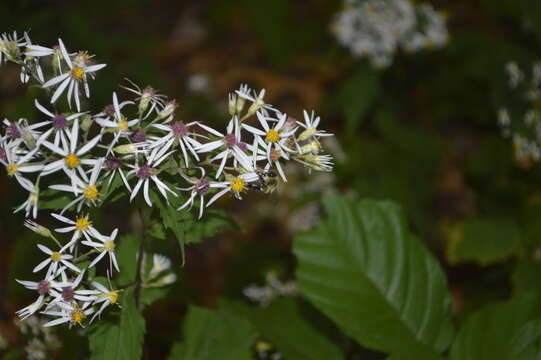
<point>137,144</point>
<point>520,119</point>
<point>41,340</point>
<point>377,28</point>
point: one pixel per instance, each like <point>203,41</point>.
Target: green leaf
<point>126,255</point>
<point>283,325</point>
<point>484,241</point>
<point>368,273</point>
<point>526,343</point>
<point>121,340</point>
<point>486,334</point>
<point>53,199</point>
<point>210,334</point>
<point>213,221</point>
<point>526,275</point>
<point>358,93</point>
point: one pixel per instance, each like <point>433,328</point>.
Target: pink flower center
<point>179,129</point>
<point>230,140</point>
<point>144,172</point>
<point>112,163</point>
<point>3,154</point>
<point>109,110</point>
<point>13,131</point>
<point>202,186</point>
<point>243,146</point>
<point>43,287</point>
<point>68,293</point>
<point>59,122</point>
<point>139,136</point>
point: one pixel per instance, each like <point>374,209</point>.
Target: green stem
<point>139,265</point>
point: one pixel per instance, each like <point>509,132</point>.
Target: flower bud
<point>38,229</point>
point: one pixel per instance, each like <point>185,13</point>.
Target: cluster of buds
<point>377,28</point>
<point>520,119</point>
<point>139,147</point>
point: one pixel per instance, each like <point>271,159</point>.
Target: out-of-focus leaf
<point>209,334</point>
<point>358,93</point>
<point>487,334</point>
<point>484,241</point>
<point>122,340</point>
<point>283,325</point>
<point>213,221</point>
<point>53,199</point>
<point>526,343</point>
<point>526,275</point>
<point>367,272</point>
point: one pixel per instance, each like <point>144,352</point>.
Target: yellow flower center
<point>72,161</point>
<point>238,185</point>
<point>77,316</point>
<point>91,192</point>
<point>82,223</point>
<point>12,169</point>
<point>109,245</point>
<point>272,136</point>
<point>113,297</point>
<point>77,73</point>
<point>123,125</point>
<point>56,256</point>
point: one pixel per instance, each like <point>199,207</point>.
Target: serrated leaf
<point>211,335</point>
<point>282,324</point>
<point>368,273</point>
<point>121,340</point>
<point>484,241</point>
<point>486,334</point>
<point>526,343</point>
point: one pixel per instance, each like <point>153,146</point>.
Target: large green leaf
<point>526,343</point>
<point>121,340</point>
<point>487,334</point>
<point>283,325</point>
<point>363,269</point>
<point>484,241</point>
<point>126,254</point>
<point>210,334</point>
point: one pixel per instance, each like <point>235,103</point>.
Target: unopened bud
<point>86,122</point>
<point>38,229</point>
<point>167,110</point>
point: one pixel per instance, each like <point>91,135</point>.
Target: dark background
<point>422,132</point>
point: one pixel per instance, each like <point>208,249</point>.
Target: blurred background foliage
<point>422,133</point>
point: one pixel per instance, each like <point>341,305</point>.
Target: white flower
<point>119,124</point>
<point>177,133</point>
<point>275,139</point>
<point>199,188</point>
<point>66,291</point>
<point>10,47</point>
<point>258,104</point>
<point>232,143</point>
<point>104,296</point>
<point>71,313</point>
<point>310,125</point>
<point>114,165</point>
<point>37,51</point>
<point>236,185</point>
<point>21,132</point>
<point>32,63</point>
<point>31,204</point>
<point>105,246</point>
<point>77,74</point>
<point>71,156</point>
<point>148,171</point>
<point>43,287</point>
<point>81,226</point>
<point>54,259</point>
<point>16,165</point>
<point>86,192</point>
<point>59,125</point>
